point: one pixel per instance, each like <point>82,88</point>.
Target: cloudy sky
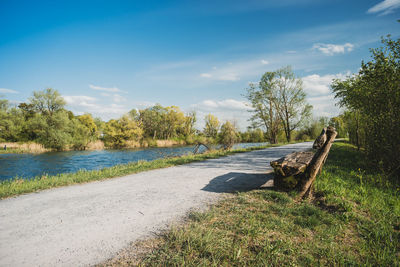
<point>107,57</point>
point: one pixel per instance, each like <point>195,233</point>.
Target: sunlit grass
<point>353,220</point>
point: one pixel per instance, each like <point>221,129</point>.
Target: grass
<point>19,186</point>
<point>353,220</point>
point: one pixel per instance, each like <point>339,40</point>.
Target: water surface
<point>30,165</point>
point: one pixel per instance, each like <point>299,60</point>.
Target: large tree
<point>48,101</point>
<point>290,100</point>
<point>261,96</point>
<point>279,101</point>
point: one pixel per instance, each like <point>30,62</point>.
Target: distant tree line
<point>45,120</point>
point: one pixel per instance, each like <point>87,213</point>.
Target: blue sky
<point>107,57</point>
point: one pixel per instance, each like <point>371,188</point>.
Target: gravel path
<point>86,224</point>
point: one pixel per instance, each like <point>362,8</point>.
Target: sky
<point>108,57</point>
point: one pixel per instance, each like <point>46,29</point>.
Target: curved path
<point>86,224</point>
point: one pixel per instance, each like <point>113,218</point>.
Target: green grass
<point>353,220</point>
<point>19,186</point>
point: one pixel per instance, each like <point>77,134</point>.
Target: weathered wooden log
<point>289,169</point>
<point>306,185</point>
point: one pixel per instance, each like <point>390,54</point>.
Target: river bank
<point>19,186</point>
<point>35,148</point>
<point>353,219</point>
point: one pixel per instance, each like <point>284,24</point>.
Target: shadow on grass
<point>238,182</point>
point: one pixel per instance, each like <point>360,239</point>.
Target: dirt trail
<point>86,224</point>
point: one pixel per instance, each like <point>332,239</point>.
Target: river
<point>27,166</point>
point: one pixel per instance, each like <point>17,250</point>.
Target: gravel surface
<point>82,225</point>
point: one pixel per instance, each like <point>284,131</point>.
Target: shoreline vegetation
<point>353,219</point>
<point>35,148</point>
<point>18,186</point>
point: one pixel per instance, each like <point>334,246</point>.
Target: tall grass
<point>13,147</point>
<point>354,220</point>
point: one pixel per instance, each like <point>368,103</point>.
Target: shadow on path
<point>239,182</point>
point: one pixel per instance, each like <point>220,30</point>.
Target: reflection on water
<point>31,165</point>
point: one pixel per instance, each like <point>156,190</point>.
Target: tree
<point>228,135</point>
<point>211,126</point>
<point>262,97</point>
<point>83,131</point>
<point>290,100</point>
<point>52,131</point>
<point>118,132</point>
<point>374,93</point>
<point>189,123</point>
<point>47,102</point>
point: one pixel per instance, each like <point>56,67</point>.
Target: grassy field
<point>19,186</point>
<point>354,219</point>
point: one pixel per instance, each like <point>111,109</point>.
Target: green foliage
<point>118,132</point>
<point>228,135</point>
<point>262,97</point>
<point>52,131</point>
<point>373,98</point>
<point>252,136</point>
<point>47,102</point>
<point>212,126</point>
<point>278,102</point>
<point>312,128</point>
<point>160,122</point>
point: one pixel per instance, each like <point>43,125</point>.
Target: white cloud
<point>264,62</point>
<point>206,75</point>
<point>86,104</point>
<point>8,91</point>
<point>331,49</point>
<point>144,104</point>
<point>324,106</point>
<point>106,89</point>
<point>229,77</point>
<point>226,104</point>
<point>385,7</point>
<point>319,94</point>
<point>80,100</point>
<point>118,98</point>
<point>315,84</point>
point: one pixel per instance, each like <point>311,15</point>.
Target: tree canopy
<point>373,97</point>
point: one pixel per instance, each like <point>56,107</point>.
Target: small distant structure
<point>197,148</point>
